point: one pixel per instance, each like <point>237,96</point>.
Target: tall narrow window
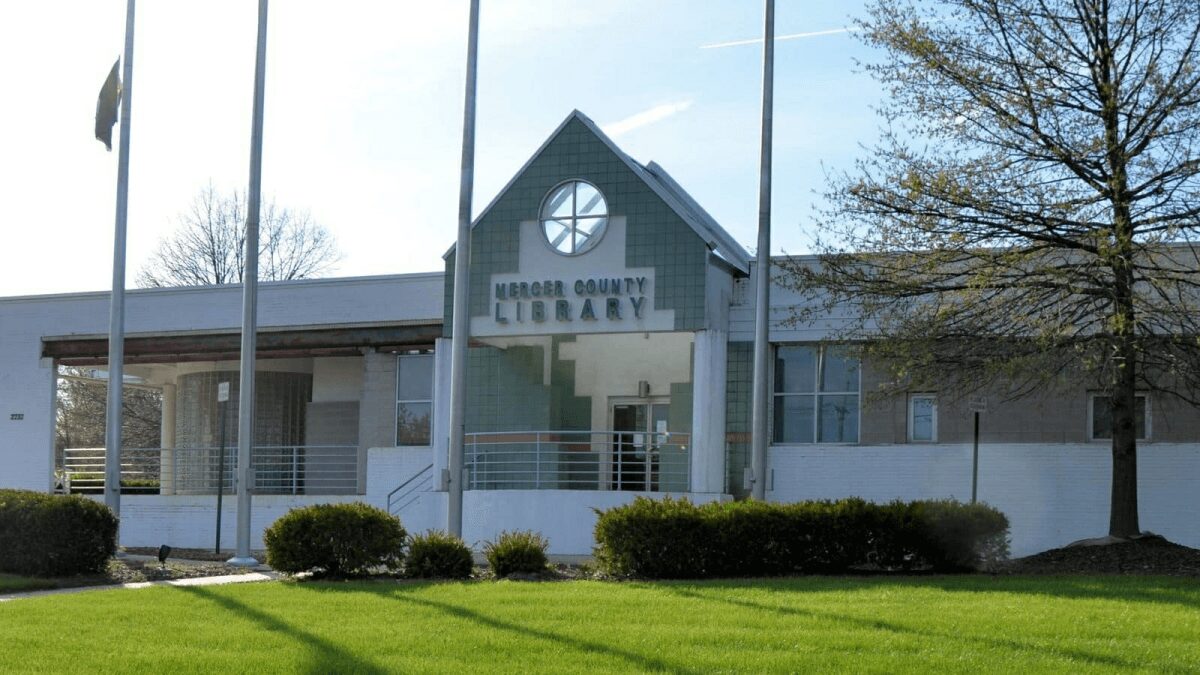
<point>1101,421</point>
<point>414,399</point>
<point>816,395</point>
<point>922,418</point>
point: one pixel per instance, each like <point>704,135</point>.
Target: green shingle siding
<point>656,236</point>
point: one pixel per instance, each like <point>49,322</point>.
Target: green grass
<point>954,624</point>
<point>11,583</point>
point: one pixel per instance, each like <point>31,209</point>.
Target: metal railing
<point>408,492</point>
<point>287,469</point>
<point>578,460</point>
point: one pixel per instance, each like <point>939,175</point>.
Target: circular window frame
<point>543,217</point>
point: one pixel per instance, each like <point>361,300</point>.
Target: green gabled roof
<point>660,182</point>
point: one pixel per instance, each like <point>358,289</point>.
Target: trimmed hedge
<point>522,552</point>
<point>335,540</point>
<point>438,555</point>
<point>54,535</point>
<point>670,538</point>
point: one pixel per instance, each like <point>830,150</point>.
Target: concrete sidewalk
<point>193,581</point>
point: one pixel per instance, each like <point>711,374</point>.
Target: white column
<point>441,410</point>
<point>166,441</point>
<point>708,411</point>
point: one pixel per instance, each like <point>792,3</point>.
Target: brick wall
<point>1052,494</point>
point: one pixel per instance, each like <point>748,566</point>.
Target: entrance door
<point>635,451</point>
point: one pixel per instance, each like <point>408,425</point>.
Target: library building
<point>610,356</point>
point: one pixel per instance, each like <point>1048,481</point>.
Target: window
<point>414,399</point>
<point>922,418</point>
<point>816,395</point>
<point>1100,417</point>
<point>574,217</point>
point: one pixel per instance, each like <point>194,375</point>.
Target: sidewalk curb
<point>193,581</point>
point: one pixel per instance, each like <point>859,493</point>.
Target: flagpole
<point>116,319</point>
<point>245,473</point>
<point>460,325</point>
<point>762,294</point>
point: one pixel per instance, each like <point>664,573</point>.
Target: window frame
<point>909,418</point>
<point>816,395</point>
<point>399,401</point>
<point>574,218</point>
<point>1091,417</point>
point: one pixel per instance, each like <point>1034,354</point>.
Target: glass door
<point>637,428</point>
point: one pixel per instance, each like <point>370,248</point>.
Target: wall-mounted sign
<point>16,416</point>
<point>613,298</point>
<point>553,294</point>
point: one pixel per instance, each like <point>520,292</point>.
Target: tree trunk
<point>1123,512</point>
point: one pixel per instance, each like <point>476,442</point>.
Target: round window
<point>574,217</point>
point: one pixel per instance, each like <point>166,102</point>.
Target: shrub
<point>516,553</point>
<point>958,536</point>
<point>438,555</point>
<point>661,539</point>
<point>677,539</point>
<point>335,540</point>
<point>54,535</point>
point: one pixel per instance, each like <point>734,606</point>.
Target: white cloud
<point>645,118</point>
<point>793,36</point>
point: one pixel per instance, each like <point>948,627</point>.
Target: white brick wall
<point>190,521</point>
<point>1052,494</point>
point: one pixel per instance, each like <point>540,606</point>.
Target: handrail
<point>608,432</point>
<point>421,477</point>
<point>578,459</point>
<point>410,479</point>
<point>278,469</point>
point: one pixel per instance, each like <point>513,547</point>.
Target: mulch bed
<point>1150,555</point>
<point>192,553</point>
<point>123,571</point>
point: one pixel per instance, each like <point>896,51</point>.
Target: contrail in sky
<point>793,36</point>
<point>648,116</point>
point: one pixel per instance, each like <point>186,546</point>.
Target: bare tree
<point>208,247</point>
<point>1030,213</point>
<point>80,413</point>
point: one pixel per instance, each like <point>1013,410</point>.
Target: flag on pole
<point>106,106</point>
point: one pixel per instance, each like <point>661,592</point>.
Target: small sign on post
<point>977,404</point>
<point>222,399</point>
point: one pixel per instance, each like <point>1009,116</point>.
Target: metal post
<point>762,289</point>
<point>245,473</point>
<point>460,326</point>
<point>116,319</point>
<point>975,462</point>
<point>222,388</point>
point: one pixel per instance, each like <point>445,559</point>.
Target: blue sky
<point>363,115</point>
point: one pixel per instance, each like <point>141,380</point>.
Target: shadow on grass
<point>328,657</point>
<point>683,590</point>
<point>635,660</point>
<point>1180,591</point>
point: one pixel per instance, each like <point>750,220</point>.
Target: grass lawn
<point>958,624</point>
<point>11,583</point>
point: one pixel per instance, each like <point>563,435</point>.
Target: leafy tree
<point>208,247</point>
<point>1027,216</point>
